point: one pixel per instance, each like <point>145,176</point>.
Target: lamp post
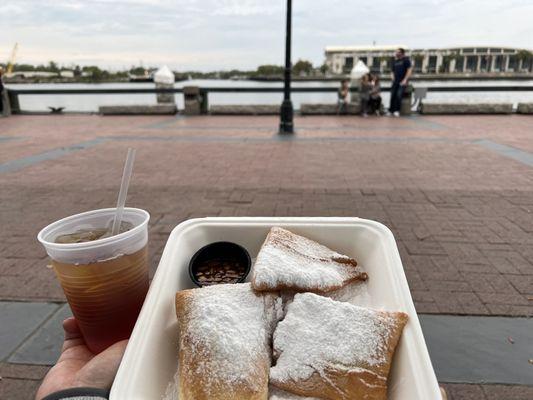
<point>286,112</point>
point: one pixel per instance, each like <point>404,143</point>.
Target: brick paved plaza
<point>456,191</point>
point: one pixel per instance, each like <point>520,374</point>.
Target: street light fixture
<point>286,112</point>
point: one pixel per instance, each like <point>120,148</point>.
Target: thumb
<point>73,335</point>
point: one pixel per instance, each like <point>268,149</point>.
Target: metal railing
<point>14,94</point>
<point>332,89</point>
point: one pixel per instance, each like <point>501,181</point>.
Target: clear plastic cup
<point>105,280</point>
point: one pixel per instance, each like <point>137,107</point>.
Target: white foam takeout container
<point>150,361</point>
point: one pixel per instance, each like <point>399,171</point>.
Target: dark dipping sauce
<point>219,263</point>
<point>220,270</point>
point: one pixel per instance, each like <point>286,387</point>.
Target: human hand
<point>78,366</point>
<point>403,83</point>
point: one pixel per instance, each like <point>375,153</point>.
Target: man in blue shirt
<point>401,72</point>
<point>1,92</point>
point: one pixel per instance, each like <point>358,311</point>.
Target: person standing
<point>401,72</point>
<point>2,111</point>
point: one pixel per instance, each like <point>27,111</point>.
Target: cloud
<point>11,9</point>
<point>223,34</point>
<point>246,7</point>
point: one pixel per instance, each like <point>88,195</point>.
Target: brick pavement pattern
<point>462,213</point>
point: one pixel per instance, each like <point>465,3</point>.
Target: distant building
<point>340,60</point>
<point>66,73</point>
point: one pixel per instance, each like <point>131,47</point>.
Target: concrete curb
<point>466,108</point>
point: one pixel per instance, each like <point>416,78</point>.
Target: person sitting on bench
<point>374,102</point>
<point>343,97</point>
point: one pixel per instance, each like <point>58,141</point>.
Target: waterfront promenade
<point>457,192</point>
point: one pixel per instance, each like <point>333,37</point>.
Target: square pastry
<point>224,342</point>
<point>335,350</point>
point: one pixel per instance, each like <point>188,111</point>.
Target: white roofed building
<point>468,59</point>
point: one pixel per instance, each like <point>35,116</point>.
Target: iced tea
<point>104,277</point>
<point>106,296</point>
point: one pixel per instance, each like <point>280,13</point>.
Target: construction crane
<point>11,60</point>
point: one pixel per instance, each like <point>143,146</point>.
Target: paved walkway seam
<point>20,163</point>
<point>504,150</point>
<point>507,151</point>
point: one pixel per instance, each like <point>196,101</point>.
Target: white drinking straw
<point>126,175</point>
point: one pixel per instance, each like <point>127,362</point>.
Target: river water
<point>90,103</point>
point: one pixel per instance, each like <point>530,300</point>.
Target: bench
<point>328,109</point>
<point>154,109</point>
<point>240,109</point>
<point>465,108</point>
<point>525,108</point>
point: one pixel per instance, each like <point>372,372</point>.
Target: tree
<point>137,70</point>
<point>324,68</point>
<point>302,67</point>
<point>96,73</point>
<point>269,70</point>
<point>52,66</point>
<point>23,67</point>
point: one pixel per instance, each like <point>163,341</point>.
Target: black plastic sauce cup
<point>228,252</point>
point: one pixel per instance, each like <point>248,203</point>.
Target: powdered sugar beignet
<point>335,350</point>
<point>288,261</point>
<point>278,394</point>
<point>224,342</point>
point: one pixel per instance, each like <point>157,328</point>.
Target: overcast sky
<point>225,34</point>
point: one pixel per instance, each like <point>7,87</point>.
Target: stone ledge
<point>327,109</point>
<point>238,109</point>
<point>466,108</point>
<point>155,109</point>
<point>525,108</point>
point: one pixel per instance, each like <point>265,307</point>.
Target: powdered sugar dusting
<point>228,333</point>
<point>354,293</point>
<point>171,393</point>
<point>277,394</point>
<point>291,261</point>
<point>318,333</point>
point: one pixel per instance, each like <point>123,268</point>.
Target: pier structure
<point>450,60</point>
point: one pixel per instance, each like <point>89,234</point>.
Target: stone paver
<point>44,346</point>
<point>18,389</point>
<point>22,318</point>
<point>488,392</point>
<point>461,209</point>
<point>463,349</point>
<point>20,382</point>
<point>480,349</point>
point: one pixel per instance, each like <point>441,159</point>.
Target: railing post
<point>204,101</point>
<point>191,100</point>
<point>165,97</point>
<point>12,103</point>
<point>4,101</point>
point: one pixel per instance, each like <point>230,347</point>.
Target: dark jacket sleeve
<point>83,393</point>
